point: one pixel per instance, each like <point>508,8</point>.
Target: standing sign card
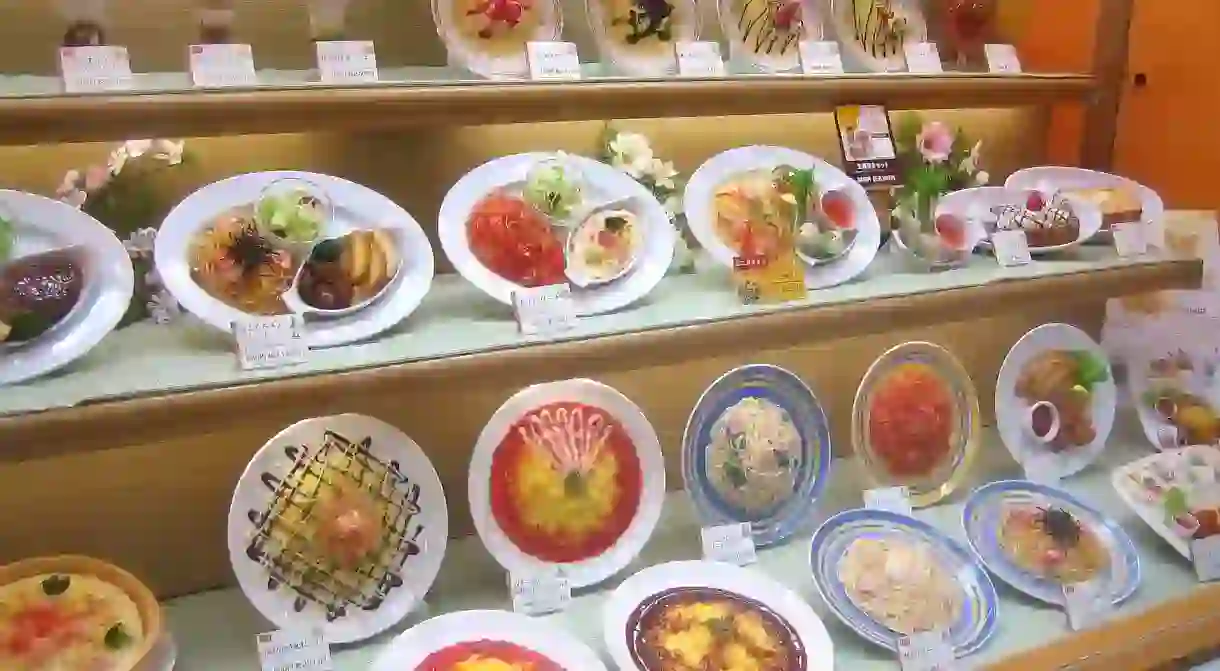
<point>294,651</point>
<point>545,309</point>
<point>270,341</point>
<point>729,543</point>
<point>820,57</point>
<point>923,58</point>
<point>215,66</point>
<point>553,60</point>
<point>762,279</point>
<point>346,62</point>
<point>699,59</point>
<point>867,144</point>
<point>95,69</point>
<point>1002,59</point>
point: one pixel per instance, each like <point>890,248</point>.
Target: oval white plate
<point>463,50</point>
<point>41,225</point>
<point>1058,178</point>
<point>631,62</point>
<point>1011,411</point>
<point>355,207</point>
<point>854,56</point>
<point>724,166</point>
<point>652,492</point>
<point>623,602</point>
<point>412,647</point>
<point>601,184</point>
<point>974,207</point>
<point>427,531</point>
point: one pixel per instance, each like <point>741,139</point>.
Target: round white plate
<point>638,62</point>
<point>1011,411</point>
<point>752,585</point>
<point>416,644</point>
<point>424,533</point>
<point>701,188</point>
<point>974,207</point>
<point>652,471</point>
<point>355,207</point>
<point>601,183</point>
<point>464,51</point>
<point>1057,178</point>
<point>854,56</point>
<point>41,225</point>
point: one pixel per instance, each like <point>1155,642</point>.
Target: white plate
<point>600,183</point>
<point>1196,382</point>
<point>355,207</point>
<point>700,216</point>
<point>637,62</point>
<point>412,647</point>
<point>974,207</point>
<point>1153,514</point>
<point>1057,178</point>
<point>731,27</point>
<point>464,52</point>
<point>162,657</point>
<point>622,604</point>
<point>41,225</point>
<point>1011,411</point>
<point>854,56</point>
<point>652,472</point>
<point>425,531</point>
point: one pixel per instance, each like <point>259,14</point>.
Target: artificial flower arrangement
<point>934,161</point>
<point>122,195</point>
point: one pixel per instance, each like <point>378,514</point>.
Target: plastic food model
<point>967,23</point>
<point>515,241</point>
<point>1047,222</point>
<point>1051,543</point>
<point>215,21</point>
<point>499,18</point>
<point>705,629</point>
<point>900,583</point>
<point>1184,486</point>
<point>766,32</point>
<point>646,19</point>
<point>553,188</point>
<point>348,271</point>
<point>912,421</point>
<point>1118,205</point>
<point>1058,385</point>
<point>1173,394</point>
<point>603,247</point>
<point>86,19</point>
<point>756,211</point>
<point>826,220</point>
<point>755,455</point>
<point>876,31</point>
<point>487,655</point>
<point>36,293</point>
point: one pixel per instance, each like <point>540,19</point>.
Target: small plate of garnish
<point>1056,398</point>
<point>677,616</point>
<point>1038,539</point>
<point>338,522</point>
<point>1176,492</point>
<point>603,248</point>
<point>886,575</point>
<point>486,640</point>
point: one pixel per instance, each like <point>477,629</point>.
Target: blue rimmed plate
<point>983,514</point>
<point>757,449</point>
<point>976,620</point>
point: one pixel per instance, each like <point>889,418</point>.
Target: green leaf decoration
<point>1175,503</point>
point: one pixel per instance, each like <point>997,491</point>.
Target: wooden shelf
<point>155,112</point>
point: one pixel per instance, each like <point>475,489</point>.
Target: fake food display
<point>603,247</point>
<point>1047,221</point>
<point>873,32</point>
<point>1177,492</point>
<point>766,33</point>
<point>1058,385</point>
<point>1118,205</point>
<point>900,583</point>
<point>515,241</point>
<point>489,37</point>
<point>1174,398</point>
<point>348,271</point>
<point>37,292</point>
<point>638,36</point>
<point>1052,543</point>
<point>487,655</point>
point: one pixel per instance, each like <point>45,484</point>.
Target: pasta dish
<point>754,455</point>
<point>237,265</point>
<point>900,583</point>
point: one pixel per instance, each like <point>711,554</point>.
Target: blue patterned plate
<point>982,516</point>
<point>975,622</point>
<point>757,449</point>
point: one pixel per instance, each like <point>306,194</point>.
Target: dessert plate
<point>567,475</point>
<point>723,168</point>
<point>632,613</point>
<point>757,449</point>
<point>951,575</point>
<point>1049,179</point>
<point>352,208</point>
<point>872,32</point>
<point>505,179</point>
<point>765,34</point>
<point>340,523</point>
<point>637,37</point>
<point>978,206</point>
<point>497,638</point>
<point>44,225</point>
<point>489,37</point>
<point>1058,377</point>
<point>1100,540</point>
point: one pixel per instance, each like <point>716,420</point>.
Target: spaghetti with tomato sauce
<point>566,482</point>
<point>515,241</point>
<point>487,656</point>
<point>910,420</point>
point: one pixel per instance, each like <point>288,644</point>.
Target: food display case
<point>638,334</point>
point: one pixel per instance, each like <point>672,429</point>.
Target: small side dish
<point>1051,543</point>
<point>290,216</point>
<point>603,247</point>
<point>1058,385</point>
<point>515,241</point>
<point>1177,492</point>
<point>900,583</point>
<point>1173,393</point>
<point>350,270</point>
<point>553,188</point>
<point>37,292</point>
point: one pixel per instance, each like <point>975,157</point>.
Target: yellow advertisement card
<point>762,279</point>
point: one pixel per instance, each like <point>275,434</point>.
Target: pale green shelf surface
<point>215,631</point>
<point>455,318</point>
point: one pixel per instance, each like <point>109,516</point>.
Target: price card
<point>1011,248</point>
<point>294,651</point>
<point>215,66</point>
<point>1129,239</point>
<point>1087,603</point>
<point>1042,467</point>
<point>923,58</point>
<point>1205,553</point>
<point>699,59</point>
<point>347,61</point>
<point>547,591</point>
<point>95,69</point>
<point>819,57</point>
<point>892,499</point>
<point>926,651</point>
<point>1002,59</point>
<point>552,60</point>
<point>270,342</point>
<point>729,543</point>
<point>545,309</point>
<point>769,280</point>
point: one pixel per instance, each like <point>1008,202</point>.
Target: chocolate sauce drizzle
<point>881,32</point>
<point>762,29</point>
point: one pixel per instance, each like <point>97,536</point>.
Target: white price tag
<point>545,309</point>
<point>347,62</point>
<point>892,499</point>
<point>1087,603</point>
<point>1129,239</point>
<point>699,59</point>
<point>819,57</point>
<point>1011,248</point>
<point>729,543</point>
<point>1002,59</point>
<point>1167,437</point>
<point>215,66</point>
<point>294,651</point>
<point>95,69</point>
<point>270,342</point>
<point>923,58</point>
<point>926,651</point>
<point>552,60</point>
<point>1042,467</point>
<point>1205,553</point>
<point>539,593</point>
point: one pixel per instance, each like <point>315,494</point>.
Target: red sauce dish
<point>515,241</point>
<point>911,419</point>
<point>447,659</point>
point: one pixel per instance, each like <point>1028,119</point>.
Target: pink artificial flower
<point>70,183</point>
<point>935,142</point>
<point>96,177</point>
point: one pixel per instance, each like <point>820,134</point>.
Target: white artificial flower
<point>137,148</point>
<point>673,205</point>
<point>140,243</point>
<point>118,159</point>
<point>982,178</point>
<point>163,308</point>
<point>169,151</point>
<point>631,153</point>
<point>967,165</point>
<point>976,151</point>
<point>663,173</point>
<point>70,183</point>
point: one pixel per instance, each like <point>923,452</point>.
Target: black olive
<point>117,637</point>
<point>615,224</point>
<point>56,585</point>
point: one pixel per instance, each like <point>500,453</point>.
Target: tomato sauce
<point>910,424</point>
<point>515,242</point>
<point>447,659</point>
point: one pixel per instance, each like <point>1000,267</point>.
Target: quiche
<point>1117,205</point>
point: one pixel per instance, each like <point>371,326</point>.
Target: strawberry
<point>1035,202</point>
<point>952,231</point>
<point>838,208</point>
